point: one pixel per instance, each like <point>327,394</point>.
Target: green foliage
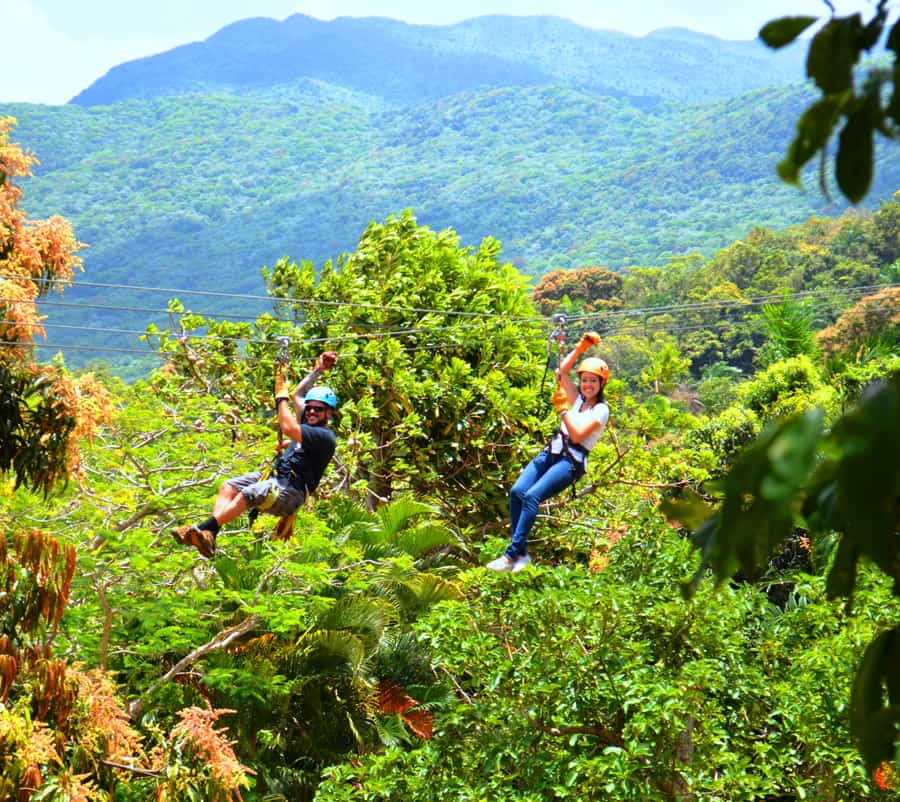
<point>666,367</point>
<point>589,289</point>
<point>438,363</point>
<point>596,685</point>
<point>854,491</point>
<point>859,106</point>
<point>785,387</point>
<point>35,430</point>
<point>716,391</point>
<point>789,325</point>
<point>727,433</point>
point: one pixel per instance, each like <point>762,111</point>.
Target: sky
<point>52,49</point>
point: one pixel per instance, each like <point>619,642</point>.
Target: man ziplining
<point>296,472</point>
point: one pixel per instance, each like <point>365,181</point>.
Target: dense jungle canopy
<point>714,614</point>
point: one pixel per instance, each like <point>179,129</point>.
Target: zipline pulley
<point>558,335</point>
<point>282,356</point>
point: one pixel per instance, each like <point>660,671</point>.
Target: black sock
<point>210,525</point>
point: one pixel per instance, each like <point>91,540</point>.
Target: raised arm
<point>588,339</point>
<point>289,419</point>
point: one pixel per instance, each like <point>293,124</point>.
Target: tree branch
<point>220,641</point>
<point>605,734</point>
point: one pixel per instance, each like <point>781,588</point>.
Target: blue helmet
<point>324,394</point>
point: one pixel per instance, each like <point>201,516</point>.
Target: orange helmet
<point>595,365</point>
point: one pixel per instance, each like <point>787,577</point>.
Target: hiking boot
<point>201,539</point>
<point>500,564</point>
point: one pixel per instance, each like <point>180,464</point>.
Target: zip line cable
<point>882,309</point>
<point>74,347</point>
<point>487,315</point>
<point>252,341</point>
<point>732,306</point>
<point>744,302</point>
<point>598,316</point>
<point>276,300</point>
<point>163,355</point>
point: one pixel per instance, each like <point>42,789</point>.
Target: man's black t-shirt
<point>304,463</point>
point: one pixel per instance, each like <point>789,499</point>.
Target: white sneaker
<point>501,564</point>
<point>521,563</point>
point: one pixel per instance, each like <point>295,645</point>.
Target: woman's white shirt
<point>582,418</point>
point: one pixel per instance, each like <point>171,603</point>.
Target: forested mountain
<point>712,614</point>
<point>405,64</point>
<point>273,139</point>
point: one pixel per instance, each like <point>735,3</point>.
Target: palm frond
<point>430,589</point>
<point>399,513</point>
<point>365,616</point>
<point>331,650</point>
<point>378,550</point>
<point>425,537</point>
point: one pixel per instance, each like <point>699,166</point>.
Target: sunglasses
<point>316,408</point>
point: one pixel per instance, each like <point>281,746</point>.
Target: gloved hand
<point>588,339</point>
<point>560,400</point>
<point>282,386</point>
<point>326,360</point>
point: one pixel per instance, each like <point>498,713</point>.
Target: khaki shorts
<point>256,490</point>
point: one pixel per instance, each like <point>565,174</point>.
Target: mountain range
<point>193,168</point>
<point>406,64</point>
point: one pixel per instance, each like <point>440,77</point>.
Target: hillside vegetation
<point>198,193</point>
<point>370,655</point>
<point>194,168</point>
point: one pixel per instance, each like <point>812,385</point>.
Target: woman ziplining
<point>583,417</point>
<point>296,472</point>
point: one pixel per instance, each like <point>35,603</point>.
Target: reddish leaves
<point>393,700</point>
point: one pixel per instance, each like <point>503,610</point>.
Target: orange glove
<point>326,360</point>
<point>588,339</point>
<point>282,386</point>
<point>560,400</point>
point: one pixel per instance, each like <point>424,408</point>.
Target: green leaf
<point>780,32</point>
<point>868,474</point>
<point>855,157</point>
<point>690,510</point>
<point>813,132</point>
<point>842,576</point>
<point>873,724</point>
<point>833,53</point>
<point>893,39</point>
<point>760,494</point>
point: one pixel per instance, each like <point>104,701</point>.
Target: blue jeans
<point>545,476</point>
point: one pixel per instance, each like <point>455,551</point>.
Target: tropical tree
<point>594,288</point>
<point>64,730</point>
<point>873,321</point>
<point>790,328</point>
<point>44,410</point>
<point>440,360</point>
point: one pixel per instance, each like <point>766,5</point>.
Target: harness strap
<point>271,498</point>
<point>567,447</point>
